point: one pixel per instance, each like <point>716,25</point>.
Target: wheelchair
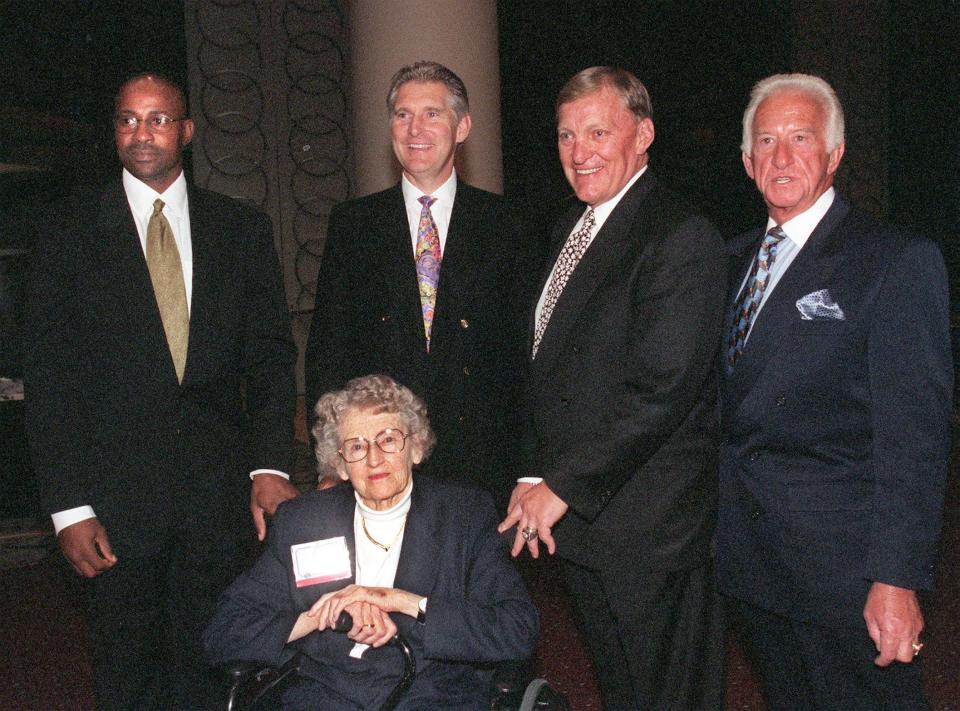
<point>256,687</point>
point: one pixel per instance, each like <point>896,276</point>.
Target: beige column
<point>387,34</point>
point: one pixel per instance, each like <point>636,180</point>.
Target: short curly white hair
<point>376,394</point>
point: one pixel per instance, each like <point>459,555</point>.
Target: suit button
<point>564,401</point>
<point>781,400</point>
<point>464,323</point>
<point>466,371</point>
<point>461,419</point>
<point>754,456</point>
<point>385,318</point>
<point>755,515</point>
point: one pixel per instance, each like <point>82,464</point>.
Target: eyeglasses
<point>155,123</point>
<point>356,448</point>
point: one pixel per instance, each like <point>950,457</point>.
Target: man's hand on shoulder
<point>266,494</point>
<point>86,546</point>
<point>894,622</point>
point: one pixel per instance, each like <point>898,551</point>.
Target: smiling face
<point>380,478</point>
<point>154,158</point>
<point>790,163</point>
<point>426,132</point>
<point>601,144</point>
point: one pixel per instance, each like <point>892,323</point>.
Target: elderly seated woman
<point>395,551</point>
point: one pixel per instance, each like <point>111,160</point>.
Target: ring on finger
<point>529,533</point>
<point>916,646</point>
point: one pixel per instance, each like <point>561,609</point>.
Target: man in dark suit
<point>836,422</point>
<point>621,435</point>
<point>159,374</point>
<point>428,291</point>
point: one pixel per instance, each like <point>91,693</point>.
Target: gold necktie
<point>163,261</point>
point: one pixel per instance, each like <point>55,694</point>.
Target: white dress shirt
<point>441,209</point>
<point>798,231</point>
<point>600,214</point>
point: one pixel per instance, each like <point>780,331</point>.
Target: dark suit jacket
<point>621,396</point>
<point>108,423</point>
<point>837,432</point>
<point>478,611</point>
<point>368,320</point>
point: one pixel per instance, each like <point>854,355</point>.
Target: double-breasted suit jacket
<point>478,611</point>
<point>837,426</point>
<point>368,320</point>
<point>109,424</point>
<point>621,395</point>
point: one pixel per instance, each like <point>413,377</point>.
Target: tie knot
<point>774,235</point>
<point>426,201</point>
<point>157,206</point>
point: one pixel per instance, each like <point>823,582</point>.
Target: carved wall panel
<point>268,91</point>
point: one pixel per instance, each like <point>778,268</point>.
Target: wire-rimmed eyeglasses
<point>155,123</point>
<point>389,441</point>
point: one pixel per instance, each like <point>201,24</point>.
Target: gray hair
<point>375,394</point>
<point>814,87</point>
<point>631,90</point>
<point>431,71</point>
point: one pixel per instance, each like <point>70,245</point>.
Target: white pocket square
<point>819,305</point>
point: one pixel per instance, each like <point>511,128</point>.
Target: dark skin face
<point>154,158</point>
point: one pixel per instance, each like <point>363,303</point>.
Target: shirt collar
<point>444,194</point>
<point>141,196</point>
<point>799,228</point>
<point>602,211</point>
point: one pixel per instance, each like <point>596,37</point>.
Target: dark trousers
<point>145,617</point>
<point>809,667</point>
<point>654,638</point>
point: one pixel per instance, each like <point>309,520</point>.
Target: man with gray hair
<point>619,450</point>
<point>422,282</point>
<point>836,407</point>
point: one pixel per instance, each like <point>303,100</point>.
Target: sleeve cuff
<point>276,472</point>
<point>62,519</point>
<point>529,479</point>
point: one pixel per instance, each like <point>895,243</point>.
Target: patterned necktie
<point>428,263</point>
<point>746,309</point>
<point>568,260</point>
<point>166,273</point>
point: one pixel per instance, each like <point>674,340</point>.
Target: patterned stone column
<point>385,35</point>
<point>268,92</point>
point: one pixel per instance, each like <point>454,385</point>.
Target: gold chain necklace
<point>384,547</point>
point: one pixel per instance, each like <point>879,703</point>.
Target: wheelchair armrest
<point>250,681</point>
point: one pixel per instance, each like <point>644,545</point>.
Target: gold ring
<point>370,626</point>
<point>916,646</point>
<point>529,533</point>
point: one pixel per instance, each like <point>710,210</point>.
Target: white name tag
<point>320,561</point>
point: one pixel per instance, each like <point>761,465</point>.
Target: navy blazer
<point>837,431</point>
<point>109,424</point>
<point>478,610</point>
<point>368,320</point>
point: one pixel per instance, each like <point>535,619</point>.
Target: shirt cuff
<point>529,480</point>
<point>62,519</point>
<point>268,471</point>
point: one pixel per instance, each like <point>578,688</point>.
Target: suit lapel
<point>417,567</point>
<point>462,255</point>
<point>205,253</point>
<point>603,254</point>
<point>392,252</point>
<point>128,277</point>
<point>812,268</point>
